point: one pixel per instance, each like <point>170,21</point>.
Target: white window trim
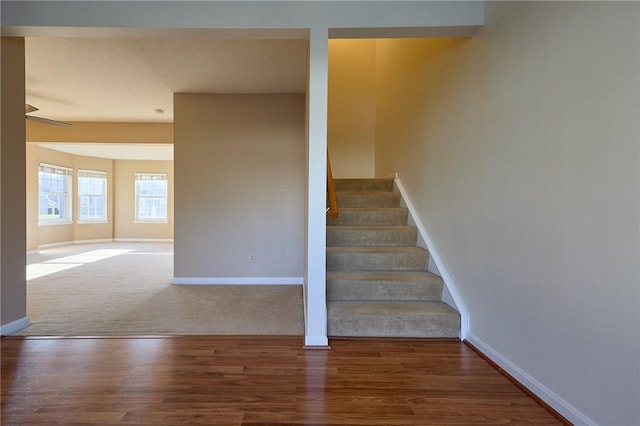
<point>69,201</point>
<point>136,219</point>
<point>102,174</point>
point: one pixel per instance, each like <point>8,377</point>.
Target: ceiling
<point>134,79</point>
<point>130,79</point>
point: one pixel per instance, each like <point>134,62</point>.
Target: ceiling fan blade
<point>29,108</point>
<point>47,121</point>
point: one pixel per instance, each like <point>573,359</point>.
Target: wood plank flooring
<point>246,380</point>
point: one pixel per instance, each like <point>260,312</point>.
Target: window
<point>151,197</point>
<point>92,196</point>
<point>54,188</point>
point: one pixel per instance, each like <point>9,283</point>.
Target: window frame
<point>67,193</point>
<point>99,174</point>
<point>154,176</point>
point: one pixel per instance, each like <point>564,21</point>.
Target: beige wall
<point>99,132</point>
<point>239,164</point>
<point>125,224</point>
<point>13,290</point>
<point>519,149</point>
<point>32,196</point>
<point>351,113</point>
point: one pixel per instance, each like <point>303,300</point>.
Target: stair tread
<point>391,308</point>
<point>358,184</point>
<point>364,180</point>
<point>365,192</point>
<point>367,209</point>
<point>370,227</point>
<point>375,250</point>
<point>384,276</point>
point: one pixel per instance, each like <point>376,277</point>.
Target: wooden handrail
<point>331,191</point>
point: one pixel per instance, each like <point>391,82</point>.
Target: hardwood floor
<point>229,380</point>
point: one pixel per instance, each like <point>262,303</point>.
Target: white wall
<point>20,18</point>
<point>239,166</point>
<point>520,150</point>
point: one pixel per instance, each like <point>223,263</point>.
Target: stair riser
<point>425,326</point>
<point>370,199</point>
<point>402,329</point>
<point>383,290</point>
<point>363,184</point>
<point>370,217</point>
<point>353,237</point>
<point>354,261</point>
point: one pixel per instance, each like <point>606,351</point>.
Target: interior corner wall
<point>351,111</point>
<point>125,225</point>
<point>239,164</point>
<point>39,235</point>
<point>519,149</point>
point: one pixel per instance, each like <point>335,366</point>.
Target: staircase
<point>377,282</point>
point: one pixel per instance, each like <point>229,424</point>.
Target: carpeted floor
<point>125,289</point>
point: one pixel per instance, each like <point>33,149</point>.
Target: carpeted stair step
<point>376,258</point>
<point>368,199</point>
<point>371,236</point>
<point>389,286</point>
<point>363,184</point>
<point>370,216</point>
<point>392,319</point>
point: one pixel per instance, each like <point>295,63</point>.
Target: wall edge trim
<point>316,341</point>
<point>237,280</point>
<point>465,320</point>
<point>530,383</point>
<point>14,326</point>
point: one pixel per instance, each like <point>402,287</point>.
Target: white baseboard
<point>143,240</point>
<point>541,391</point>
<point>102,240</point>
<point>52,245</point>
<point>237,280</point>
<point>433,253</point>
<point>15,326</point>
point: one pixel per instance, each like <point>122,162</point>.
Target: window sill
<point>55,223</point>
<point>91,222</point>
<point>161,222</point>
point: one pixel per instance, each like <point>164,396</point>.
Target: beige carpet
<point>125,289</point>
